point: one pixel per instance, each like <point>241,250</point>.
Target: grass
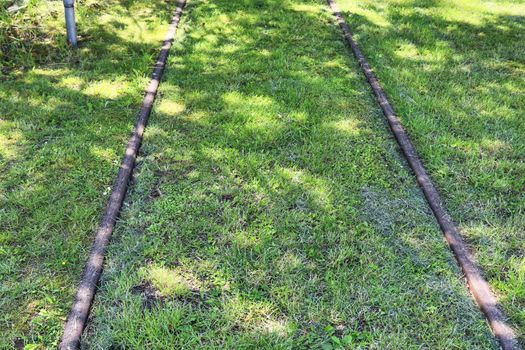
<point>270,207</point>
<point>455,73</point>
<point>64,119</point>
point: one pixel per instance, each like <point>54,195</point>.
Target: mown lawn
<point>64,121</point>
<point>271,208</point>
<point>455,71</point>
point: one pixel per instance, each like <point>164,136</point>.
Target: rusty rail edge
<point>79,312</point>
<point>479,287</point>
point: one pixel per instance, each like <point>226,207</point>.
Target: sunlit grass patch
<point>256,317</point>
<point>106,89</point>
<point>347,126</point>
<point>176,282</point>
<point>171,108</point>
<point>9,140</point>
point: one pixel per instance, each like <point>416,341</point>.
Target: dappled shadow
<point>456,77</point>
<point>269,177</point>
<point>475,66</point>
<point>35,36</point>
<point>63,128</point>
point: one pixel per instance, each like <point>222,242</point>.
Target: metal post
<point>71,27</point>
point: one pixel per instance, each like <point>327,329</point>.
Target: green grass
<point>64,119</point>
<point>455,72</point>
<point>271,208</point>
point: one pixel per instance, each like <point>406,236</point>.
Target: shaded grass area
<point>270,208</point>
<point>64,121</point>
<point>455,72</point>
<point>35,34</point>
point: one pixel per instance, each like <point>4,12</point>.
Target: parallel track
<point>79,312</point>
<point>479,287</point>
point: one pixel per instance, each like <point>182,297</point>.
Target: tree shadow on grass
<point>456,81</point>
<point>63,128</point>
<point>35,37</point>
<point>273,176</point>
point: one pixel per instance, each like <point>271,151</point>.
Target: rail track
<point>480,289</point>
<point>79,312</point>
